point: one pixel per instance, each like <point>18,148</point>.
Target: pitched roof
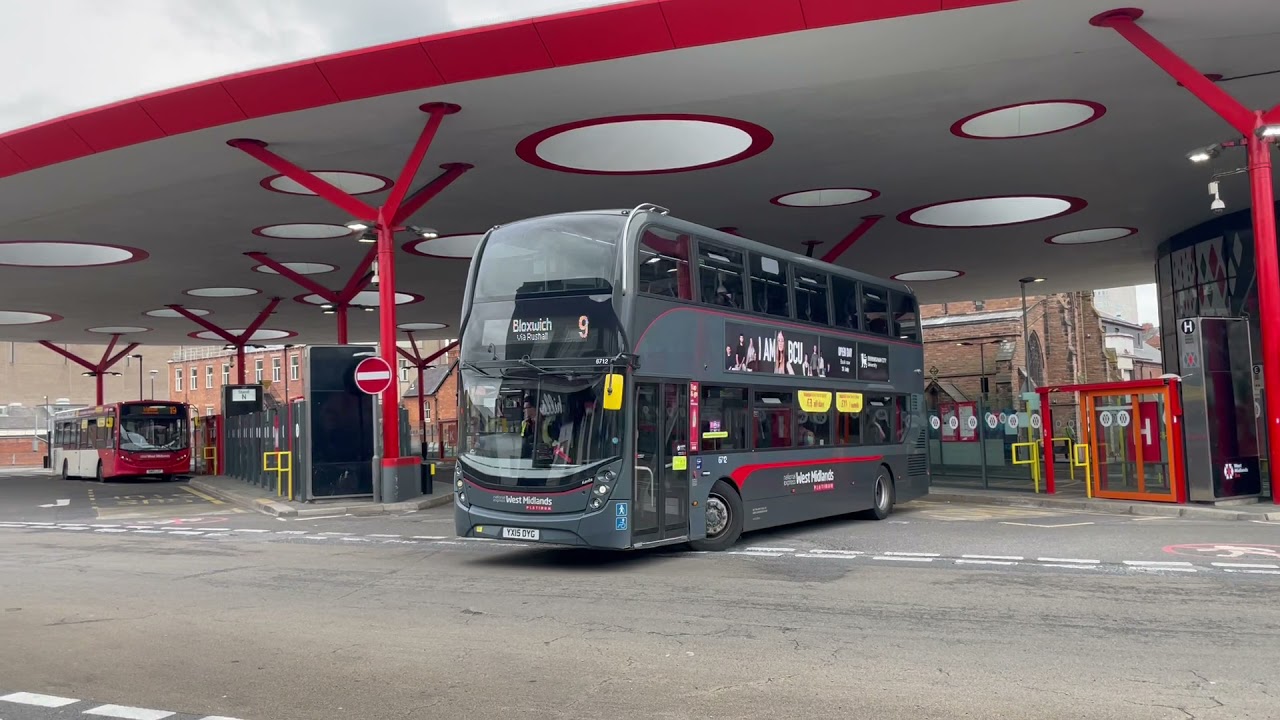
<point>432,378</point>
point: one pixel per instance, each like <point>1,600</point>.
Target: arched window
<point>1035,360</point>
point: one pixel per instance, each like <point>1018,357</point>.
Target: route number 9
<point>584,327</point>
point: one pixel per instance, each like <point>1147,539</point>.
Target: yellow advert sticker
<point>849,402</point>
<point>679,462</point>
<point>815,401</point>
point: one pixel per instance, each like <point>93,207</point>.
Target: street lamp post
<point>138,357</point>
<point>153,383</point>
<point>1026,336</point>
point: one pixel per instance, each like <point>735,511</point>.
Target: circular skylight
<point>364,298</point>
<point>17,317</point>
<point>456,247</point>
<point>65,254</point>
<point>644,144</point>
<point>416,326</point>
<point>1028,119</point>
<point>223,292</point>
<point>302,268</point>
<point>1095,235</point>
<point>992,211</point>
<point>171,313</point>
<point>824,197</point>
<point>352,183</point>
<point>927,275</point>
<point>119,329</point>
<point>258,335</point>
<point>303,231</point>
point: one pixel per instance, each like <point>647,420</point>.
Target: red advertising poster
<point>1148,432</point>
<point>695,432</point>
<point>949,415</point>
<point>967,414</point>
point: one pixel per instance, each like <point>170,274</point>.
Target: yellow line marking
<point>199,494</point>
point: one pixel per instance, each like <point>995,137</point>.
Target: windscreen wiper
<point>472,366</point>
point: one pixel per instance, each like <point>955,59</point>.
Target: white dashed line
<point>49,701</point>
<point>291,532</point>
<point>1072,561</point>
<point>1155,563</point>
<point>819,551</point>
<point>251,530</point>
<point>149,532</point>
<point>384,536</point>
<point>1070,566</point>
<point>986,562</point>
<point>902,558</point>
<point>992,557</point>
<point>1252,572</point>
<point>913,554</point>
<point>1246,565</point>
<point>128,713</point>
<point>428,537</point>
<point>186,532</point>
<point>97,526</point>
<point>772,549</point>
<point>111,530</point>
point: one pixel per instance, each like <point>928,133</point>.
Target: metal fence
<point>992,442</point>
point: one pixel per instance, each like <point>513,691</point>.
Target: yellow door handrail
<point>1032,459</point>
<point>1080,458</point>
<point>211,456</point>
<point>283,467</point>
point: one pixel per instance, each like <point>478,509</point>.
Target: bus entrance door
<point>661,478</point>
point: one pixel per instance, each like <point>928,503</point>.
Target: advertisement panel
<point>761,349</point>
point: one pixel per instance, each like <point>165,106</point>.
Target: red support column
<point>99,369</point>
<point>240,369</point>
<point>1268,279</point>
<point>339,299</point>
<point>258,150</point>
<point>238,341</point>
<point>854,236</point>
<point>387,342</point>
<point>340,310</point>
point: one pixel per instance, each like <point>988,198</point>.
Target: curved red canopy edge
<point>583,36</point>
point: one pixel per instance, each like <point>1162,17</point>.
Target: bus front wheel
<point>883,496</point>
<point>724,518</point>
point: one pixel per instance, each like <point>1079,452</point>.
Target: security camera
<point>1217,206</point>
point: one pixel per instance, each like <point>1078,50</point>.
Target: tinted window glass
<point>663,264</point>
<point>906,320</point>
<point>878,420</point>
<point>811,296</point>
<point>772,414</point>
<point>564,253</point>
<point>720,273</point>
<point>813,428</point>
<point>875,308</point>
<point>724,419</point>
<point>848,428</point>
<point>903,416</point>
<point>845,293</point>
<point>769,292</point>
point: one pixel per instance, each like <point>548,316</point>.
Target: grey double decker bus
<point>629,380</point>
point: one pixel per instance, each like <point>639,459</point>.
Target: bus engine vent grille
<point>917,465</point>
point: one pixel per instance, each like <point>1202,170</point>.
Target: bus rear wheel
<point>883,496</point>
<point>724,518</point>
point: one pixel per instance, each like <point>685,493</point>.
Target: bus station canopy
<point>988,140</point>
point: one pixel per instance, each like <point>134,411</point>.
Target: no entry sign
<point>373,376</point>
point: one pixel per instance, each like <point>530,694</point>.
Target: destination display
<point>759,349</point>
<point>559,327</point>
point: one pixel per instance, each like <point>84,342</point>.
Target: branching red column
<point>237,341</point>
<point>854,236</point>
<point>1249,123</point>
<point>387,341</point>
<point>98,369</point>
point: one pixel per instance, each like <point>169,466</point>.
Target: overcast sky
<point>61,56</point>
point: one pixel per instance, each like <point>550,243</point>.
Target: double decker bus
<point>127,439</point>
<point>631,380</point>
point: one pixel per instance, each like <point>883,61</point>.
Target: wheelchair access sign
<point>620,515</point>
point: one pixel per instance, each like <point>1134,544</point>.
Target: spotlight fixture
<point>1269,131</point>
<point>1204,154</point>
<point>358,225</point>
<point>426,233</point>
<point>367,237</point>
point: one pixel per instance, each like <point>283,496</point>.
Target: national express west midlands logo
<point>821,480</point>
<point>532,503</point>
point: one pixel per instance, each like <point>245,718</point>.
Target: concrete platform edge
<point>286,510</point>
<point>1113,507</point>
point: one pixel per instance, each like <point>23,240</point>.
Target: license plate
<point>520,533</point>
<point>155,472</point>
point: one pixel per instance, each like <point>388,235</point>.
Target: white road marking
<point>1252,572</point>
<point>912,554</point>
<point>1061,525</point>
<point>49,701</point>
<point>291,532</point>
<point>185,532</point>
<point>96,525</point>
<point>337,534</point>
<point>58,503</point>
<point>985,562</point>
<point>903,558</point>
<point>992,557</point>
<point>1073,567</point>
<point>1153,517</point>
<point>322,517</point>
<point>149,532</point>
<point>818,551</point>
<point>1073,561</point>
<point>384,536</point>
<point>217,529</point>
<point>111,530</point>
<point>751,553</point>
<point>249,530</point>
<point>428,537</point>
<point>827,556</point>
<point>772,549</point>
<point>1246,565</point>
<point>1156,563</point>
<point>128,713</point>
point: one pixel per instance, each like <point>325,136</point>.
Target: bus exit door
<point>661,479</point>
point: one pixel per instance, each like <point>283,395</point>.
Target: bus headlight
<point>602,490</point>
<point>596,503</point>
<point>606,476</point>
<point>458,484</point>
<point>462,498</point>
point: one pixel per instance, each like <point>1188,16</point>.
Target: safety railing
<point>1080,459</point>
<point>211,459</point>
<point>1032,458</point>
<point>283,469</point>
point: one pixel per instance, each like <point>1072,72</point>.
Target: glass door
<point>661,479</point>
<point>1130,445</point>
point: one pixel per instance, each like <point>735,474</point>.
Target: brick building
<point>969,341</point>
<point>440,404</point>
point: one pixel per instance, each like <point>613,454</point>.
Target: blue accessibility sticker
<point>620,523</point>
<point>620,509</point>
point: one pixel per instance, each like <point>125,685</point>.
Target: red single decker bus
<point>128,439</point>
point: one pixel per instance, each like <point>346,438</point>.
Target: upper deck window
<point>558,254</point>
<point>906,319</point>
<point>720,272</point>
<point>875,308</point>
<point>769,289</point>
<point>663,264</point>
<point>845,292</point>
<point>811,296</point>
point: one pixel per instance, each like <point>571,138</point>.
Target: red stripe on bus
<point>531,491</point>
<point>740,475</point>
